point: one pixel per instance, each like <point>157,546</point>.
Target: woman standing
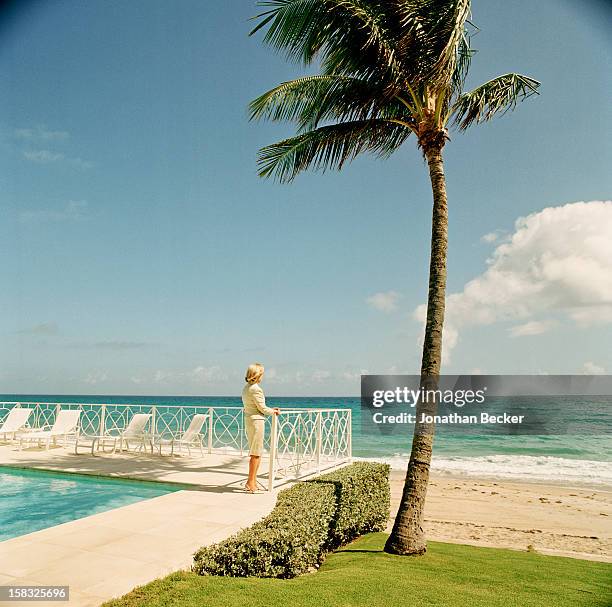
<point>255,410</point>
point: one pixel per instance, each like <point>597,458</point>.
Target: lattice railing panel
<point>305,440</point>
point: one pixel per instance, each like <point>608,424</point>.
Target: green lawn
<point>362,575</point>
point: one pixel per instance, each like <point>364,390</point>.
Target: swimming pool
<point>31,500</point>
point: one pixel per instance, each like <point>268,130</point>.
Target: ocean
<point>569,459</point>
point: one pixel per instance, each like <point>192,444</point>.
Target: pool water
<point>31,500</point>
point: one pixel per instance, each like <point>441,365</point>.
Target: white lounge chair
<point>66,424</point>
<point>15,421</point>
<point>134,431</point>
<point>192,437</point>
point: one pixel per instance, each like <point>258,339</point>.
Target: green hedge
<point>363,497</point>
<point>309,519</point>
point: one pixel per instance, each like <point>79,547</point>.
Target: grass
<point>361,575</point>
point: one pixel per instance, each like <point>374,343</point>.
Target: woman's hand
<point>276,411</point>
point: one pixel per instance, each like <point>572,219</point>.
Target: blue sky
<point>143,255</point>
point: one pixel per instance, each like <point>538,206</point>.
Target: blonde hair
<point>254,373</point>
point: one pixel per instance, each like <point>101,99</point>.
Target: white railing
<point>299,442</point>
<point>308,440</point>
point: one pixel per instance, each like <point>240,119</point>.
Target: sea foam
<point>529,468</point>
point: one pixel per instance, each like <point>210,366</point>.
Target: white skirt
<point>255,427</point>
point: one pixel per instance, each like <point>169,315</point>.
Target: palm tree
<point>388,69</point>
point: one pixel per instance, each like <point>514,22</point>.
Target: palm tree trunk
<point>407,536</point>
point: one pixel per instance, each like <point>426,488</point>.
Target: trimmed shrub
<point>363,498</point>
<point>287,542</point>
<point>310,518</point>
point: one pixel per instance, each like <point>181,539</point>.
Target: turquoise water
<point>31,500</point>
<point>565,458</point>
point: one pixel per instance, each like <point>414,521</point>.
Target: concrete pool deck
<point>105,555</point>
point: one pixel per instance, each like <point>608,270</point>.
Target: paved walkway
<point>107,554</point>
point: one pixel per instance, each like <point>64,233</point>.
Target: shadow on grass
<point>357,550</point>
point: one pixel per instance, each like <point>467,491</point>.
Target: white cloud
<point>384,301</point>
<point>161,376</point>
<point>41,133</point>
<point>490,237</point>
<point>533,327</point>
<point>354,375</point>
<point>48,157</point>
<point>43,156</point>
<point>199,375</point>
<point>320,375</point>
<point>41,329</point>
<point>309,378</point>
<point>80,163</point>
<point>204,375</point>
<point>271,373</point>
<point>37,139</point>
<point>118,345</point>
<point>558,261</point>
<point>96,377</point>
<point>590,368</point>
<point>303,378</point>
<point>72,210</point>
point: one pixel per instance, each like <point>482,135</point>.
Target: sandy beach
<point>563,521</point>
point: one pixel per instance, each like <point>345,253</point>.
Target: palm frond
<point>292,26</point>
<point>433,39</point>
<point>330,147</point>
<point>353,36</point>
<point>494,97</point>
<point>465,52</point>
<point>313,99</point>
<point>450,30</point>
